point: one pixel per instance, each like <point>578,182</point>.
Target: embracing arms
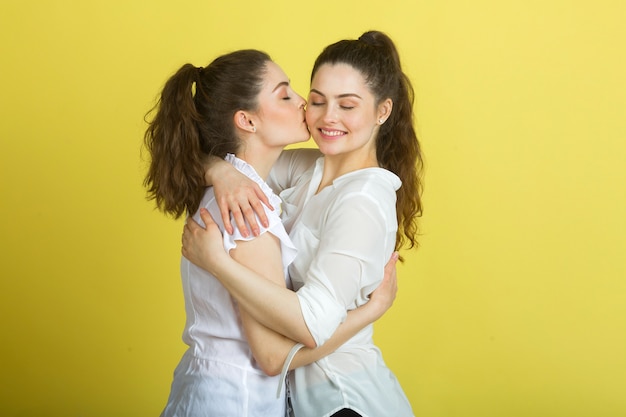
<point>242,198</point>
<point>271,348</point>
<point>263,294</point>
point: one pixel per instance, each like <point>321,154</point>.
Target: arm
<point>380,301</point>
<point>272,304</point>
<point>277,347</point>
<point>290,166</point>
<point>347,264</point>
<point>270,348</point>
<point>268,300</point>
<point>237,194</point>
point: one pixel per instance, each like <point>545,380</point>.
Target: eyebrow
<point>313,90</point>
<point>285,83</point>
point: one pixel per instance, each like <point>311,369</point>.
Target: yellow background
<point>515,304</point>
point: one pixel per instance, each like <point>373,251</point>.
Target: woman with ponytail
<point>242,110</point>
<point>347,214</point>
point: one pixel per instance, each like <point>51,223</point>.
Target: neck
<point>261,160</point>
<point>337,165</point>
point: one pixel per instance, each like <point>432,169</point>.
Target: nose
<point>329,114</point>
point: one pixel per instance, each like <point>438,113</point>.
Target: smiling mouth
<point>332,133</point>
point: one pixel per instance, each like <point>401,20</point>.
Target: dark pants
<point>346,413</point>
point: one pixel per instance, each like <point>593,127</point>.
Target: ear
<point>243,121</point>
<point>384,110</point>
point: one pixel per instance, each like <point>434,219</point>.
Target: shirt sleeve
<point>291,164</point>
<point>348,265</point>
<point>288,249</point>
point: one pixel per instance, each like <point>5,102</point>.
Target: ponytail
<point>175,176</point>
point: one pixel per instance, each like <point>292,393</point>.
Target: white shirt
<point>345,235</point>
<point>218,376</point>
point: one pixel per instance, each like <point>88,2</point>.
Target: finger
<point>390,267</point>
<point>263,197</point>
<point>185,239</point>
<point>260,212</point>
<point>240,222</point>
<point>251,218</point>
<point>206,218</point>
<point>193,225</point>
<point>225,212</point>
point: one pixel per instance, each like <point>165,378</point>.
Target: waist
<point>233,351</point>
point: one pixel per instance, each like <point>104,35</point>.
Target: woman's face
<point>342,113</point>
<point>280,116</point>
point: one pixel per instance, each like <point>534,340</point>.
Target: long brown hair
<point>375,56</point>
<point>194,120</point>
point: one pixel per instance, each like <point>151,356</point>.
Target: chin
<point>326,150</point>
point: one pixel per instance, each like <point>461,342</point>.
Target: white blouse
<point>218,375</point>
<point>345,235</point>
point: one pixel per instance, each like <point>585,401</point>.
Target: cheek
<point>310,117</point>
<point>359,121</point>
<point>279,118</point>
